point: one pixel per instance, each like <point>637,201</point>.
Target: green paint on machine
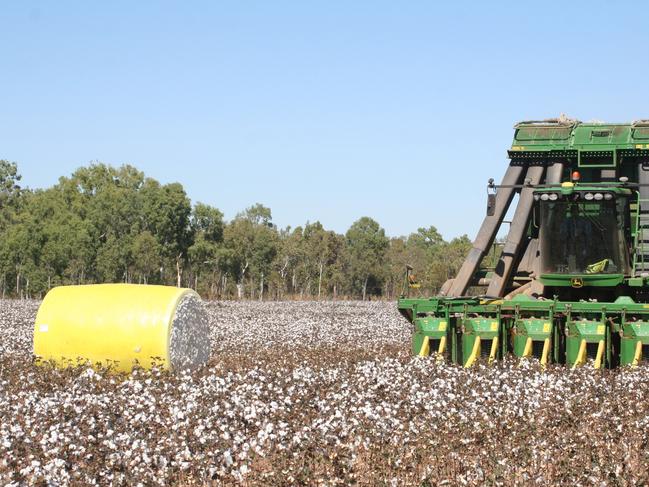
<point>571,284</point>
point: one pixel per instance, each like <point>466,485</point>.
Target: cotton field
<point>316,393</point>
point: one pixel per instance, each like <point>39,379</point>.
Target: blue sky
<point>320,110</point>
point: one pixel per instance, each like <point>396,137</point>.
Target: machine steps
<point>641,255</point>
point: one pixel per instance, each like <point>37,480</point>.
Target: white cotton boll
<point>257,402</point>
<point>228,458</point>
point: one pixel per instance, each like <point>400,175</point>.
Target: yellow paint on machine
<point>637,357</point>
<point>424,351</point>
<point>115,324</point>
<point>475,352</point>
<point>494,350</point>
<point>442,346</point>
<point>600,355</point>
<point>527,351</point>
<point>581,355</point>
<point>546,352</point>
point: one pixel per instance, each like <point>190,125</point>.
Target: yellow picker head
<point>121,325</point>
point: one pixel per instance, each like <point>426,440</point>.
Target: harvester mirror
<point>491,204</point>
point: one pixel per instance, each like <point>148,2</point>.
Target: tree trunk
<point>261,288</point>
<point>240,283</point>
<point>320,280</point>
<point>282,275</point>
<point>214,284</point>
<point>365,287</point>
<point>178,270</point>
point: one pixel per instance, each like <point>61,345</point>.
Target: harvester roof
<point>587,144</point>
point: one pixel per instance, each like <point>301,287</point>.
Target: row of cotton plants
<point>316,393</point>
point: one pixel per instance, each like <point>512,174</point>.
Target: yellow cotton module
<point>121,325</point>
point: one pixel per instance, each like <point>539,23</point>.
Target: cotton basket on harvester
<point>121,325</point>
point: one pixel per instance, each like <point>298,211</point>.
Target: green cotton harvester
<point>571,283</point>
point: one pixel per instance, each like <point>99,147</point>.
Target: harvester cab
<point>571,282</point>
<point>584,239</point>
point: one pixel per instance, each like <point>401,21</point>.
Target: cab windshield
<point>582,237</point>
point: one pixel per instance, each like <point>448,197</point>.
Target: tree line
<point>108,224</point>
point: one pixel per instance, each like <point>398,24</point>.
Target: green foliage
<point>257,214</point>
<point>208,221</point>
<point>146,253</point>
<point>9,192</point>
<point>252,242</point>
<point>107,224</point>
<point>366,248</point>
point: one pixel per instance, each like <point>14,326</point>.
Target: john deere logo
<point>576,282</point>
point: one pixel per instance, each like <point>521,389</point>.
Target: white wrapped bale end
<point>189,344</point>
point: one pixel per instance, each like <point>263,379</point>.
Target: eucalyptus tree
<point>206,256</point>
<point>253,242</point>
<point>366,249</point>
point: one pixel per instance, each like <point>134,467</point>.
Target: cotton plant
<point>315,393</point>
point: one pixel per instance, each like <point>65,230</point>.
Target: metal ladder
<point>641,254</point>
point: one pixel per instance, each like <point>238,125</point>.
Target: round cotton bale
<point>121,325</point>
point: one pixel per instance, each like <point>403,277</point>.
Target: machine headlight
<point>608,196</point>
<point>554,196</point>
<point>599,196</point>
<point>545,197</point>
<point>536,197</point>
<point>589,196</point>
